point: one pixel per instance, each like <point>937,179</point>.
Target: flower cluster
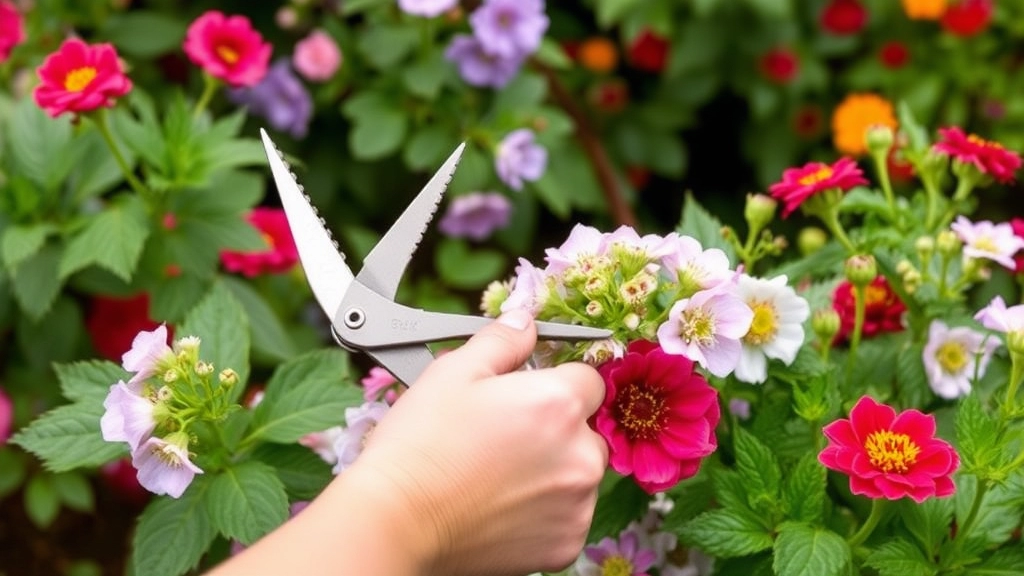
<point>505,33</point>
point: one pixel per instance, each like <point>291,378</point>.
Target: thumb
<point>500,347</point>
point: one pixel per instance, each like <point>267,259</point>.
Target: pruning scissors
<point>362,308</point>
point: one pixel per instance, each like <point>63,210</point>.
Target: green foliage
<point>173,533</point>
<point>68,437</point>
<point>247,501</point>
<point>727,533</point>
<point>620,502</point>
<point>900,558</point>
<point>113,240</point>
<point>801,549</point>
<point>223,326</point>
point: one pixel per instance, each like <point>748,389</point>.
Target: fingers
<point>501,347</point>
<point>584,383</point>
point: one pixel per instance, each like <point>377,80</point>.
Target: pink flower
<point>228,48</point>
<point>987,156</point>
<point>996,316</point>
<point>658,416</point>
<point>164,465</point>
<point>12,31</point>
<point>583,242</point>
<point>6,417</point>
<point>799,184</point>
<point>379,382</point>
<point>80,78</point>
<point>693,267</point>
<point>890,455</point>
<point>707,328</point>
<point>281,253</point>
<point>624,556</point>
<point>317,56</point>
<point>149,350</point>
<point>995,242</point>
<point>323,443</point>
<point>529,291</point>
<point>128,417</point>
<point>360,422</point>
<point>1017,224</point>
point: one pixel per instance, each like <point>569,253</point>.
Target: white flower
<point>954,356</point>
<point>995,242</point>
<point>360,424</point>
<point>149,351</point>
<point>323,443</point>
<point>164,466</point>
<point>777,328</point>
<point>707,328</point>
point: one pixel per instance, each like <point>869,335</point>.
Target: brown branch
<point>622,213</point>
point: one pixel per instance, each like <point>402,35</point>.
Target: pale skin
<point>478,469</point>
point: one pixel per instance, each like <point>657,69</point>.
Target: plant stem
<point>210,85</point>
<point>104,128</point>
<point>877,510</point>
<point>979,495</point>
<point>933,198</point>
<point>1016,373</point>
<point>830,218</point>
<point>859,309</point>
<point>883,178</point>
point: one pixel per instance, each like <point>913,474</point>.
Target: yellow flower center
<point>975,139</point>
<point>168,456</point>
<point>697,326</point>
<point>616,566</point>
<point>79,78</point>
<point>819,175</point>
<point>268,239</point>
<point>986,244</point>
<point>952,356</point>
<point>874,295</point>
<point>640,412</point>
<point>227,53</point>
<point>765,324</point>
<point>891,452</point>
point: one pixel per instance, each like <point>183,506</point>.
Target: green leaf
<point>804,490</point>
<point>307,394</point>
<point>727,533</point>
<point>426,148</point>
<point>467,269</point>
<point>355,6</point>
<point>97,172</point>
<point>705,228</point>
<point>1005,562</point>
<point>425,77</point>
<point>22,241</point>
<point>554,194</point>
<point>68,437</point>
<point>39,145</point>
<point>74,491</point>
<point>268,333</point>
<point>61,328</point>
<point>730,490</point>
<point>929,521</point>
<point>12,470</point>
<point>303,473</point>
<point>553,55</point>
<point>917,136</point>
<point>386,46</point>
<point>221,324</point>
<point>247,501</point>
<point>35,282</point>
<point>377,136</point>
<point>802,550</point>
<point>617,506</point>
<point>112,240</point>
<point>42,502</point>
<point>863,200</point>
<point>173,534</point>
<point>88,380</point>
<point>911,377</point>
<point>143,33</point>
<point>759,469</point>
<point>609,12</point>
<point>900,558</point>
<point>977,435</point>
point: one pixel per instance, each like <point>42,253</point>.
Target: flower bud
<point>825,323</point>
<point>934,162</point>
<point>925,246</point>
<point>911,280</point>
<point>228,376</point>
<point>904,266</point>
<point>594,308</point>
<point>861,269</point>
<point>1015,342</point>
<point>948,244</point>
<point>493,297</point>
<point>170,376</point>
<point>879,139</point>
<point>203,368</point>
<point>631,321</point>
<point>164,393</point>
<point>810,240</point>
<point>759,210</point>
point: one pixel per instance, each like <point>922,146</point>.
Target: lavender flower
<point>622,556</point>
<point>478,67</point>
<point>476,215</point>
<point>149,351</point>
<point>520,158</point>
<point>707,328</point>
<point>427,8</point>
<point>360,423</point>
<point>510,28</point>
<point>280,98</point>
<point>164,466</point>
<point>128,417</point>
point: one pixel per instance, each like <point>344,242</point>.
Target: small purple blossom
<point>164,466</point>
<point>996,316</point>
<point>529,289</point>
<point>624,555</point>
<point>426,8</point>
<point>510,28</point>
<point>740,408</point>
<point>478,67</point>
<point>148,350</point>
<point>476,215</point>
<point>280,97</point>
<point>520,158</point>
<point>360,424</point>
<point>995,242</point>
<point>128,418</point>
<point>707,329</point>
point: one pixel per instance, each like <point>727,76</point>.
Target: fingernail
<point>518,319</point>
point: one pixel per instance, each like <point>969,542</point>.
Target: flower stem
<point>963,190</point>
<point>979,496</point>
<point>210,85</point>
<point>859,310</point>
<point>830,218</point>
<point>108,137</point>
<point>883,178</point>
<point>877,510</point>
<point>933,199</point>
<point>1016,373</point>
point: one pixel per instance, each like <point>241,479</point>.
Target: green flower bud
<point>203,368</point>
<point>170,376</point>
<point>911,280</point>
<point>934,162</point>
<point>825,323</point>
<point>228,376</point>
<point>759,210</point>
<point>1015,342</point>
<point>925,246</point>
<point>879,140</point>
<point>810,240</point>
<point>493,297</point>
<point>861,269</point>
<point>594,308</point>
<point>948,244</point>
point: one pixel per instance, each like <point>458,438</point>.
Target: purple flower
<point>520,158</point>
<point>149,349</point>
<point>129,416</point>
<point>360,423</point>
<point>510,28</point>
<point>478,67</point>
<point>164,466</point>
<point>280,97</point>
<point>476,215</point>
<point>427,8</point>
<point>529,289</point>
<point>622,556</point>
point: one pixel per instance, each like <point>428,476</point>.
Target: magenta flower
<point>228,48</point>
<point>707,328</point>
<point>164,465</point>
<point>317,56</point>
<point>813,178</point>
<point>477,67</point>
<point>520,158</point>
<point>889,455</point>
<point>996,242</point>
<point>149,351</point>
<point>624,556</point>
<point>427,8</point>
<point>12,29</point>
<point>476,215</point>
<point>80,77</point>
<point>280,97</point>
<point>360,422</point>
<point>378,383</point>
<point>509,28</point>
<point>6,417</point>
<point>128,417</point>
<point>988,157</point>
<point>954,356</point>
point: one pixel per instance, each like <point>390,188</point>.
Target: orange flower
<point>852,118</point>
<point>598,54</point>
<point>924,9</point>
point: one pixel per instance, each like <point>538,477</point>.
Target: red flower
<point>808,121</point>
<point>228,48</point>
<point>113,323</point>
<point>609,96</point>
<point>889,455</point>
<point>844,17</point>
<point>281,253</point>
<point>12,30</point>
<point>648,51</point>
<point>799,184</point>
<point>968,17</point>
<point>80,78</point>
<point>883,311</point>
<point>1018,229</point>
<point>900,169</point>
<point>6,417</point>
<point>658,416</point>
<point>987,156</point>
<point>780,65</point>
<point>894,54</point>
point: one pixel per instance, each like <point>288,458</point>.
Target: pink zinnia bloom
<point>953,357</point>
<point>987,156</point>
<point>281,253</point>
<point>164,466</point>
<point>890,455</point>
<point>6,417</point>
<point>658,416</point>
<point>12,31</point>
<point>996,316</point>
<point>799,184</point>
<point>128,417</point>
<point>379,382</point>
<point>228,48</point>
<point>624,556</point>
<point>707,328</point>
<point>995,242</point>
<point>317,56</point>
<point>359,423</point>
<point>149,350</point>
<point>80,78</point>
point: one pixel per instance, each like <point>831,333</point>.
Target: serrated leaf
<point>112,240</point>
<point>929,522</point>
<point>22,241</point>
<point>39,144</point>
<point>899,558</point>
<point>698,223</point>
<point>727,533</point>
<point>804,490</point>
<point>467,269</point>
<point>911,378</point>
<point>221,324</point>
<point>173,534</point>
<point>307,394</point>
<point>88,380</point>
<point>268,333</point>
<point>303,473</point>
<point>1004,562</point>
<point>730,491</point>
<point>862,200</point>
<point>977,435</point>
<point>68,437</point>
<point>41,501</point>
<point>617,506</point>
<point>803,550</point>
<point>759,469</point>
<point>35,283</point>
<point>247,501</point>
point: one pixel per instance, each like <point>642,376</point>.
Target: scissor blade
<point>384,266</point>
<point>328,275</point>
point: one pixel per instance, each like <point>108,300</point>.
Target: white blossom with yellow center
<point>777,328</point>
<point>954,357</point>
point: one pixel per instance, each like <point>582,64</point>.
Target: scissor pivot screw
<point>354,318</point>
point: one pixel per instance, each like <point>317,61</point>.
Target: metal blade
<point>384,265</point>
<point>326,271</point>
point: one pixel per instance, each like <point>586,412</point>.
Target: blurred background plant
<point>122,212</point>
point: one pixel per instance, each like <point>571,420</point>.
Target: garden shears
<point>362,309</point>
